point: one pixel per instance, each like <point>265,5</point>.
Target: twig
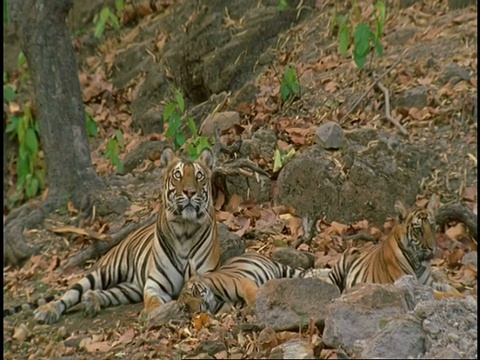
<point>354,106</point>
<point>236,166</point>
<point>388,116</point>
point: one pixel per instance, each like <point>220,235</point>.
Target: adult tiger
<point>407,250</point>
<point>154,262</point>
<point>235,282</point>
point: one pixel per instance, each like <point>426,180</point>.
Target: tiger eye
<point>177,175</point>
<point>200,176</point>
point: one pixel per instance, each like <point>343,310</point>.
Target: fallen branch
<point>354,106</point>
<point>97,249</point>
<point>79,231</point>
<point>457,212</point>
<point>388,116</point>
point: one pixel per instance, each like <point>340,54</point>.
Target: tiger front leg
<point>154,300</point>
<point>124,293</point>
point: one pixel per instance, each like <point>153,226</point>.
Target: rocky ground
<point>350,166</point>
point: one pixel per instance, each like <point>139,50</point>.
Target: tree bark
<point>46,43</point>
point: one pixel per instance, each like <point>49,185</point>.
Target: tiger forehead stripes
<point>153,262</point>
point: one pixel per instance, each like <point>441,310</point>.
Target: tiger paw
<point>47,314</point>
<point>171,311</point>
<point>91,303</point>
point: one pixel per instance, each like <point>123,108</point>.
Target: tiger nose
<point>189,192</point>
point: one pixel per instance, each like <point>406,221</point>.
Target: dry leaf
<point>21,333</point>
<point>200,321</point>
<point>456,232</point>
<point>100,346</point>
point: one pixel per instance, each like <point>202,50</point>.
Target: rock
<point>249,188</point>
<point>146,150</point>
<point>285,304</point>
<point>470,258</point>
<point>294,258</point>
<point>454,74</point>
<point>415,97</point>
<point>212,347</point>
<point>293,349</point>
<point>399,338</point>
<point>262,144</point>
<point>413,291</point>
<point>358,313</point>
<point>224,120</point>
<point>320,183</point>
<point>230,243</point>
<point>330,135</point>
<point>450,327</point>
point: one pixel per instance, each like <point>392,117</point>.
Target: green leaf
<point>119,5</point>
<point>31,188</point>
<point>382,16</point>
<point>180,102</point>
<point>99,29</point>
<point>6,13</point>
<point>284,92</point>
<point>361,39</point>
<point>120,138</point>
<point>360,60</point>
<point>168,111</point>
<point>31,141</point>
<point>8,93</point>
<point>180,139</point>
<point>378,47</point>
<point>192,126</point>
<point>114,20</point>
<point>23,168</point>
<point>277,161</point>
<point>116,161</point>
<point>282,5</point>
<point>174,123</point>
<point>344,38</point>
<point>92,127</point>
<point>104,15</point>
<point>22,59</point>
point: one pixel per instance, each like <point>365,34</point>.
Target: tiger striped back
<point>153,263</point>
<point>408,250</point>
<point>236,282</point>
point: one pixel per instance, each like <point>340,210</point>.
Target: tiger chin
<point>153,263</point>
<point>408,250</point>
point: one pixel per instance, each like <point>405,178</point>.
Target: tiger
<point>153,263</point>
<point>407,250</point>
<point>235,282</point>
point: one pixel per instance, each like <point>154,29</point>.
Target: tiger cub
<point>235,282</point>
<point>153,263</point>
<point>407,250</point>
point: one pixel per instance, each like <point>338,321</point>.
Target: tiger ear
<point>401,209</point>
<point>167,156</point>
<point>433,203</point>
<point>206,157</point>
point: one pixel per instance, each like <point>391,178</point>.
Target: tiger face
<point>420,229</point>
<point>187,186</point>
<point>196,296</point>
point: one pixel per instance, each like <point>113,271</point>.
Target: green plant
<point>364,39</point>
<point>30,169</point>
<point>92,127</point>
<point>289,85</point>
<point>6,14</point>
<point>108,17</point>
<point>280,159</point>
<point>114,146</point>
<point>282,5</point>
<point>176,132</point>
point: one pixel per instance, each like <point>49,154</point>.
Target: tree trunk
<point>46,42</point>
